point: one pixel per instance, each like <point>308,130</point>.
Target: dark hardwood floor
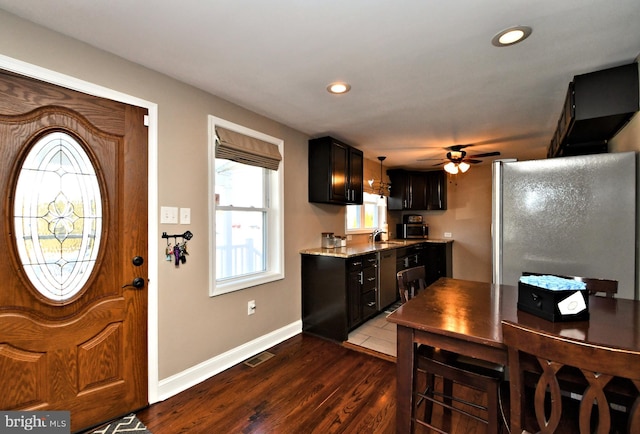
<point>310,386</point>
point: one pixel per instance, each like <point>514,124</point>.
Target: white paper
<point>572,305</point>
<point>573,333</point>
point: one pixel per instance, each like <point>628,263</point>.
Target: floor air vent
<point>260,358</point>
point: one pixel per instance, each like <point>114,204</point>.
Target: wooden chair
<point>410,282</point>
<point>451,368</point>
<point>600,286</point>
<point>598,364</point>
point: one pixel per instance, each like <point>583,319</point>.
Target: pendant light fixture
<point>382,186</point>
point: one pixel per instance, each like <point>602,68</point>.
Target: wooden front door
<point>73,204</point>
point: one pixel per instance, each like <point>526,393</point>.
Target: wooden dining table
<point>465,317</point>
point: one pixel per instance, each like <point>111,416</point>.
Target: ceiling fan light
<point>464,166</point>
<point>451,168</point>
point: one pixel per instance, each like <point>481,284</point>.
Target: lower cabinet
<point>363,287</point>
<point>436,258</point>
<point>338,294</point>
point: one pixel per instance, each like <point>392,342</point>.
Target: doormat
<point>127,424</point>
<point>260,358</point>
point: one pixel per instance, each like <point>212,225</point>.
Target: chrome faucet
<point>375,233</point>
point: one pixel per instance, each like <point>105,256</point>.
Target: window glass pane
<point>370,215</point>
<point>354,217</point>
<point>239,185</point>
<point>57,216</point>
<point>240,243</point>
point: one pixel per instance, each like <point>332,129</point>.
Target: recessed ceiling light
<point>511,36</point>
<point>339,87</point>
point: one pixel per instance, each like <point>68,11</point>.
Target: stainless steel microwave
<point>412,230</point>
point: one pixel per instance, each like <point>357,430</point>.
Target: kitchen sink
<point>390,242</point>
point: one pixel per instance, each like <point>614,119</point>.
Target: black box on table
<point>554,305</point>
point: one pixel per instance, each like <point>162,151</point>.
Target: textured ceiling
<point>424,74</point>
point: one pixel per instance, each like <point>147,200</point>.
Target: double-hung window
<point>246,202</point>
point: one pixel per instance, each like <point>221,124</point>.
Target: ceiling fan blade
<point>457,147</point>
<point>427,159</point>
<point>471,161</point>
<point>486,154</point>
<point>439,164</point>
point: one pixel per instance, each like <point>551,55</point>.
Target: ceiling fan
<point>458,159</point>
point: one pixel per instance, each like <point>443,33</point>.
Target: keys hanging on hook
<point>183,252</point>
<point>176,255</point>
<point>177,250</point>
<point>168,251</point>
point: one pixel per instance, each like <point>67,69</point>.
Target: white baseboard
<point>181,381</point>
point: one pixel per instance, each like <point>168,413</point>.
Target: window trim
<point>275,216</point>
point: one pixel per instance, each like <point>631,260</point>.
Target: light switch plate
<point>169,214</point>
<point>185,216</point>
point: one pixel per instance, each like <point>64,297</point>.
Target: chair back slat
<point>598,364</point>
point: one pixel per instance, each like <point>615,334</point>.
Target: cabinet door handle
<point>361,274</point>
<point>371,279</point>
<point>371,304</point>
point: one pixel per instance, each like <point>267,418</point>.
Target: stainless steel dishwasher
<point>387,293</point>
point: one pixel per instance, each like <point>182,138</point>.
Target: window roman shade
<point>246,150</point>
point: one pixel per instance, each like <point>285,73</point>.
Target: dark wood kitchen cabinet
<point>437,259</point>
<point>338,294</point>
<point>363,284</point>
<point>335,172</point>
<point>436,190</point>
<point>413,190</point>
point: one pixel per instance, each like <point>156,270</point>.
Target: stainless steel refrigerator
<point>570,216</point>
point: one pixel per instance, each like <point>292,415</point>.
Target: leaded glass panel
<point>58,216</point>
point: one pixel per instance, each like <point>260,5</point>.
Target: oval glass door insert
<point>58,216</point>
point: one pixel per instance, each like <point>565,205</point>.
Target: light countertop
<point>364,248</point>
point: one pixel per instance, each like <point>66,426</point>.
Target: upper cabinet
<point>335,172</point>
<point>436,190</point>
<point>412,190</point>
<point>596,107</point>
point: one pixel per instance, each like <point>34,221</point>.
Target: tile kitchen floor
<point>377,334</point>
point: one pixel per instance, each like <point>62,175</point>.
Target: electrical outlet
<point>447,234</point>
<point>251,307</point>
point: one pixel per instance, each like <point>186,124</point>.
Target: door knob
<point>137,283</point>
